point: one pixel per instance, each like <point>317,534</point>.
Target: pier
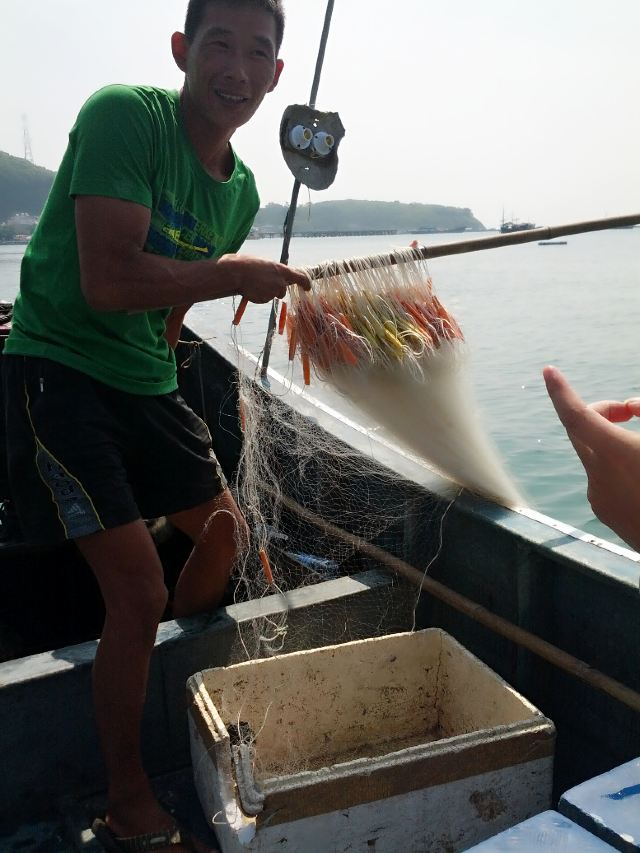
<point>373,232</point>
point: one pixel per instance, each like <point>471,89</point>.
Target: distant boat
<point>508,227</point>
<point>553,243</point>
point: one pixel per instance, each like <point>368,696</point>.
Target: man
<point>610,455</point>
<point>147,211</point>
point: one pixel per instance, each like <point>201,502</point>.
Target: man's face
<point>231,64</point>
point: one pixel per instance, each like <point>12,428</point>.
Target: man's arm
<point>610,454</point>
<point>118,275</point>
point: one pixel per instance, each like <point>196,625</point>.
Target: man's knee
<point>129,573</point>
<point>217,523</point>
<point>228,526</point>
<point>140,601</point>
<point>242,534</point>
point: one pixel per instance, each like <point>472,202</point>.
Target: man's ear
<point>276,77</point>
<point>180,50</point>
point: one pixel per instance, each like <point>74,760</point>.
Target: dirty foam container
<point>609,806</point>
<point>546,831</point>
<point>404,742</point>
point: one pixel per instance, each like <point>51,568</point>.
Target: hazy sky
<point>533,107</point>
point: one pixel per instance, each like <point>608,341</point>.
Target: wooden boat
<point>576,593</point>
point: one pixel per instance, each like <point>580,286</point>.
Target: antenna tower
<point>28,154</point>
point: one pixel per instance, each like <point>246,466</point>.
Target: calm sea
<point>576,306</point>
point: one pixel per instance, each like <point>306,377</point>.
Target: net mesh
<point>379,336</point>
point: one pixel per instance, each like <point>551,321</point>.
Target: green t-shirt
<point>128,143</point>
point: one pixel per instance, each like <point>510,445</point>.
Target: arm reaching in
<point>610,454</point>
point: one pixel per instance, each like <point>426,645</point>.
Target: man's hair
<point>196,10</point>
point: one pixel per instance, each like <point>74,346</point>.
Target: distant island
<point>24,188</point>
<point>353,216</point>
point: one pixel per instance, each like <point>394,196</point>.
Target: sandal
<point>146,843</point>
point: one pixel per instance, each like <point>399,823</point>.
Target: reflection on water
<point>520,307</point>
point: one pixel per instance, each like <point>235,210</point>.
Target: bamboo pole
<point>563,660</point>
<point>477,244</point>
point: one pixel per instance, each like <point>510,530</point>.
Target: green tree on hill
<point>23,186</point>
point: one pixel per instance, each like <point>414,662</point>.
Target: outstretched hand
<point>610,454</point>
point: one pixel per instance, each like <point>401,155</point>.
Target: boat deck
<point>71,831</point>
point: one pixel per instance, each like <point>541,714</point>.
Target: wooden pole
<point>475,245</point>
<point>563,660</point>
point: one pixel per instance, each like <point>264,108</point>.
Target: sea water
<point>520,307</point>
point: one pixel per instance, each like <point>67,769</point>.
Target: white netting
<point>308,499</point>
<point>380,337</point>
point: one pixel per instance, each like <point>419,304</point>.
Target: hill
<point>354,215</point>
<point>23,186</point>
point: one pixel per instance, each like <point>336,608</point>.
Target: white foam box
<point>546,831</point>
<point>405,742</point>
<point>609,806</point>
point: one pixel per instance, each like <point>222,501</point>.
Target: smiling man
<point>146,215</point>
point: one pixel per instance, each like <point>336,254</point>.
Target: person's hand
<point>610,454</point>
<point>260,280</point>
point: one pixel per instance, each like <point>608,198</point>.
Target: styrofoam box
<point>546,831</point>
<point>609,806</point>
<point>403,743</point>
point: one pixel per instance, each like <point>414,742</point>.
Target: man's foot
<point>162,834</point>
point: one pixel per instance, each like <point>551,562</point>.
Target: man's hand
<point>259,280</point>
<point>610,454</point>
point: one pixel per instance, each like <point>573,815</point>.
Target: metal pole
<point>291,214</point>
<point>320,60</point>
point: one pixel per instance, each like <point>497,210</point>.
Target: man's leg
<point>128,569</point>
<point>219,532</point>
<point>72,428</point>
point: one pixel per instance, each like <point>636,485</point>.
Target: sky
<point>528,108</point>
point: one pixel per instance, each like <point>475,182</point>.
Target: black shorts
<point>85,457</point>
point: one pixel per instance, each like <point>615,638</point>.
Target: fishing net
<point>381,339</point>
<point>381,336</point>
